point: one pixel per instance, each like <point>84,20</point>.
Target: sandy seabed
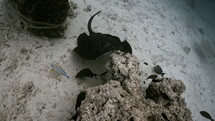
<point>163,32</point>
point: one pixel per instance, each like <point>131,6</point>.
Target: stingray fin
<point>82,39</point>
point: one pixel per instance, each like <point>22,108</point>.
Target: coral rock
<point>121,97</point>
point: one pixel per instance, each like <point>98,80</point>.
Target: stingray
<point>94,45</point>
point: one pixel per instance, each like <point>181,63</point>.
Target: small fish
<point>206,115</point>
<point>152,77</point>
<point>75,116</point>
<point>59,70</point>
<point>158,70</point>
<point>166,97</point>
<point>85,73</point>
<point>165,116</point>
<point>102,74</point>
<point>80,98</point>
<point>156,80</point>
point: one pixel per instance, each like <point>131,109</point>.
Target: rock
<point>112,102</point>
<point>124,67</point>
<point>108,102</point>
<point>121,97</point>
<point>167,88</point>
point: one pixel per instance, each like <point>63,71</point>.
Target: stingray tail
<point>126,47</point>
<point>89,23</point>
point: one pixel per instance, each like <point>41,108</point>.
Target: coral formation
<point>121,97</point>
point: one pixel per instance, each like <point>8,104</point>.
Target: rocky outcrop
<point>121,97</point>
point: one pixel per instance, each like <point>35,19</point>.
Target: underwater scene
<point>107,60</point>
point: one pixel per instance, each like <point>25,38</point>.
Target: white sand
<point>164,32</point>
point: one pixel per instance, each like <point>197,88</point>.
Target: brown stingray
<point>96,44</point>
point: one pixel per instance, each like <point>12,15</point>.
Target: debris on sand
<point>43,17</point>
